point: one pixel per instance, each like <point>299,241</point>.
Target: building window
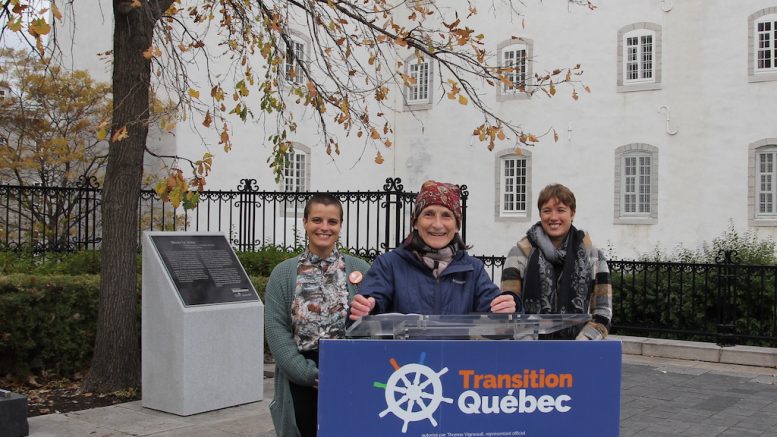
<point>636,184</point>
<point>295,56</point>
<point>639,57</point>
<point>296,178</point>
<point>762,183</point>
<point>762,56</point>
<point>419,94</point>
<point>515,54</point>
<point>295,171</point>
<point>513,184</point>
<point>765,181</point>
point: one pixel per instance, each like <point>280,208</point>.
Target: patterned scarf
<point>320,299</point>
<point>435,259</point>
<point>546,291</point>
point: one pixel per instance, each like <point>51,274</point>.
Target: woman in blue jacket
<point>431,272</point>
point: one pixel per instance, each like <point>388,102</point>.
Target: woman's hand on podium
<point>361,306</point>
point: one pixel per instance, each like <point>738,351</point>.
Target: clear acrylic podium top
<point>462,327</point>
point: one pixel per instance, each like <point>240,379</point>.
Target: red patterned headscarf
<point>438,193</point>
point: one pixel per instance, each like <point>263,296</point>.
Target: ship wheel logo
<point>413,392</point>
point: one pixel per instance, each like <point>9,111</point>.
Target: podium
<point>462,327</point>
<point>423,376</point>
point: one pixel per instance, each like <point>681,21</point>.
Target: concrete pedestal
<point>13,415</point>
<point>198,358</point>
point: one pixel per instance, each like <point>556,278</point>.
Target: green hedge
<point>47,322</point>
<point>87,262</point>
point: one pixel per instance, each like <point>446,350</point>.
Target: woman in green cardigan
<point>307,300</point>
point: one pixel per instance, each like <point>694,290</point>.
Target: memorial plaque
<point>204,269</point>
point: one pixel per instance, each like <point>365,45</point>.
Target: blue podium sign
<point>447,388</point>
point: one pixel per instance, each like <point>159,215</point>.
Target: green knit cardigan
<point>290,365</point>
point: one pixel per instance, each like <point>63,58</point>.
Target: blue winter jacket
<point>400,283</point>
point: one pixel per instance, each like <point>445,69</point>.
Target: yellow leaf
<point>217,93</point>
<point>175,197</point>
<point>552,89</point>
<point>120,134</point>
<point>194,93</point>
<point>463,99</point>
<point>15,26</point>
<point>161,189</point>
<point>102,134</point>
<point>55,11</point>
<point>379,158</point>
<point>39,27</point>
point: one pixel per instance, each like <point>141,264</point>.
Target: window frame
<point>756,74</point>
<point>302,56</point>
<point>637,151</point>
<point>296,208</point>
<point>755,151</point>
<point>418,103</point>
<point>513,45</point>
<point>639,30</point>
<point>502,158</point>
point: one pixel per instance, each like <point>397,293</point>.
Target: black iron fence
<point>45,219</point>
<point>725,302</point>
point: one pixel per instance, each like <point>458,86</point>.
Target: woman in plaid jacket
<point>555,268</point>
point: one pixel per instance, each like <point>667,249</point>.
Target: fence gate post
<point>393,188</point>
<point>464,194</point>
<point>727,279</point>
<point>246,219</point>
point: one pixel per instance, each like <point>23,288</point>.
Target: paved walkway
<point>659,397</point>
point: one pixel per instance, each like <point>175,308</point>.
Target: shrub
<point>261,262</point>
<point>696,295</point>
<point>48,322</point>
<point>85,262</point>
<point>750,249</point>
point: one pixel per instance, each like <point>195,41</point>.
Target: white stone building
<point>677,139</point>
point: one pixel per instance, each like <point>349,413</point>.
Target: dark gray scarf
<point>547,292</point>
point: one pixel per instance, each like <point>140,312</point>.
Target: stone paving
<point>662,397</point>
<point>659,397</point>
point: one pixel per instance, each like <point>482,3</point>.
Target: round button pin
<point>355,277</point>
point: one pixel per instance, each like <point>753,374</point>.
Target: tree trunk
<point>116,361</point>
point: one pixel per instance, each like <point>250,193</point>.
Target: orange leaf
<point>379,158</point>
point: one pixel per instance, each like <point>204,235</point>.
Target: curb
<point>698,351</point>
